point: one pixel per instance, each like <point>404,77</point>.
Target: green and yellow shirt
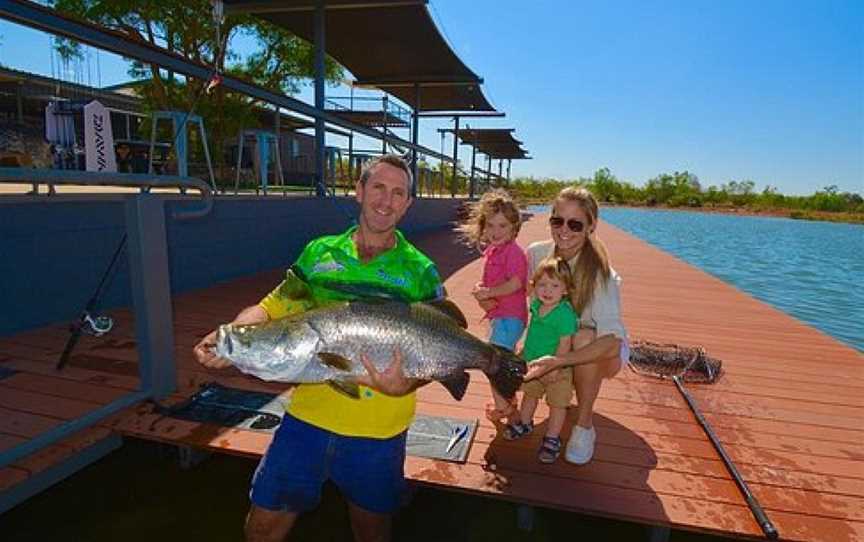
<point>403,270</point>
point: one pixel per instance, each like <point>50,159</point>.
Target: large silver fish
<point>324,345</point>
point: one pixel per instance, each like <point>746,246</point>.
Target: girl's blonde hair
<point>493,202</point>
<point>593,260</point>
<point>555,268</point>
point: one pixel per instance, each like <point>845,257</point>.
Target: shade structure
<point>497,143</point>
<point>391,45</point>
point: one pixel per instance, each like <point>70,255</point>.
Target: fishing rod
<point>101,325</point>
<point>86,322</point>
<point>760,515</point>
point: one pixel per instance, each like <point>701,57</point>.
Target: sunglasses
<point>574,225</point>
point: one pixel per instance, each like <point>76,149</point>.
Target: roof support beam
<point>414,131</point>
<point>320,136</point>
<point>473,165</point>
<point>455,157</point>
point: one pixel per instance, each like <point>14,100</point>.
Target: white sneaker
<point>580,447</point>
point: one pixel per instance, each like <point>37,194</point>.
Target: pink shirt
<point>502,263</point>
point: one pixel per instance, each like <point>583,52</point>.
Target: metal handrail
<point>10,175</point>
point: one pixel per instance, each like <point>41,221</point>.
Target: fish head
<point>282,340</point>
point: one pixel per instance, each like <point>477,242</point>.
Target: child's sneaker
<point>514,431</point>
<point>550,449</point>
<point>580,447</point>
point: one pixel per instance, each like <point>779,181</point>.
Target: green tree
<point>679,188</point>
<point>187,28</point>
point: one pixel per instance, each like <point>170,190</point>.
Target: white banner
<point>98,138</point>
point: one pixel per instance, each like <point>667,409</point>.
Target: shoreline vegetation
<point>683,191</point>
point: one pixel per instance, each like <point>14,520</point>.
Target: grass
<point>139,493</point>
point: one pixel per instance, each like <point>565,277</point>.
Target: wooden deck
<point>790,409</point>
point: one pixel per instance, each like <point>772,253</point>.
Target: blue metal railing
<point>151,286</point>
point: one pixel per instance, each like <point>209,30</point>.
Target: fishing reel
<point>96,326</point>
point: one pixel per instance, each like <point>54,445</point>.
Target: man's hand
<point>391,381</point>
<point>205,352</point>
<point>541,366</point>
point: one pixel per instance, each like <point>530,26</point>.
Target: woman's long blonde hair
<point>593,260</point>
<point>492,203</point>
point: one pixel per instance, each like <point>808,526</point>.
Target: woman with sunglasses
<point>600,347</point>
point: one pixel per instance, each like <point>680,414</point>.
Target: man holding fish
<point>348,423</point>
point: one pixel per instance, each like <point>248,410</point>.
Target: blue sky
<point>768,91</point>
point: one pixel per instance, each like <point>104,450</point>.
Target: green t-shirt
<point>402,272</point>
<point>545,332</point>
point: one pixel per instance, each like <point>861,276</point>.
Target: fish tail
<point>506,371</point>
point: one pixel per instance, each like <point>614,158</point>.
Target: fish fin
<point>449,309</point>
<point>295,286</point>
<point>348,387</point>
<point>335,361</point>
<point>457,385</point>
<point>506,371</point>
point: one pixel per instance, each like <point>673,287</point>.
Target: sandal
<point>550,449</point>
<point>495,415</point>
<point>514,431</point>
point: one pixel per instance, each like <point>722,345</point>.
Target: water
<point>811,270</point>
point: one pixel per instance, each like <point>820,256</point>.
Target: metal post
<point>471,180</point>
<point>455,156</point>
<point>320,16</point>
<point>155,119</point>
<point>384,125</point>
<point>151,292</point>
<point>240,141</point>
<point>278,124</point>
<point>207,154</point>
<point>414,128</point>
<point>19,104</point>
<point>488,171</point>
<point>441,167</point>
<point>262,146</point>
<point>181,145</point>
<point>351,154</point>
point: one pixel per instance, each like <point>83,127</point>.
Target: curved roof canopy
<point>494,142</point>
<point>393,45</point>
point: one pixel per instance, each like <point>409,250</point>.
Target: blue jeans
<point>369,472</point>
<point>506,332</point>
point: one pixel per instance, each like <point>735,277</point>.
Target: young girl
<point>493,224</point>
<point>553,323</point>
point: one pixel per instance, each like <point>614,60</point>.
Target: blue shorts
<point>369,472</point>
<point>506,332</point>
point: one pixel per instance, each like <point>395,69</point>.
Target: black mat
<point>230,407</point>
<point>429,436</point>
